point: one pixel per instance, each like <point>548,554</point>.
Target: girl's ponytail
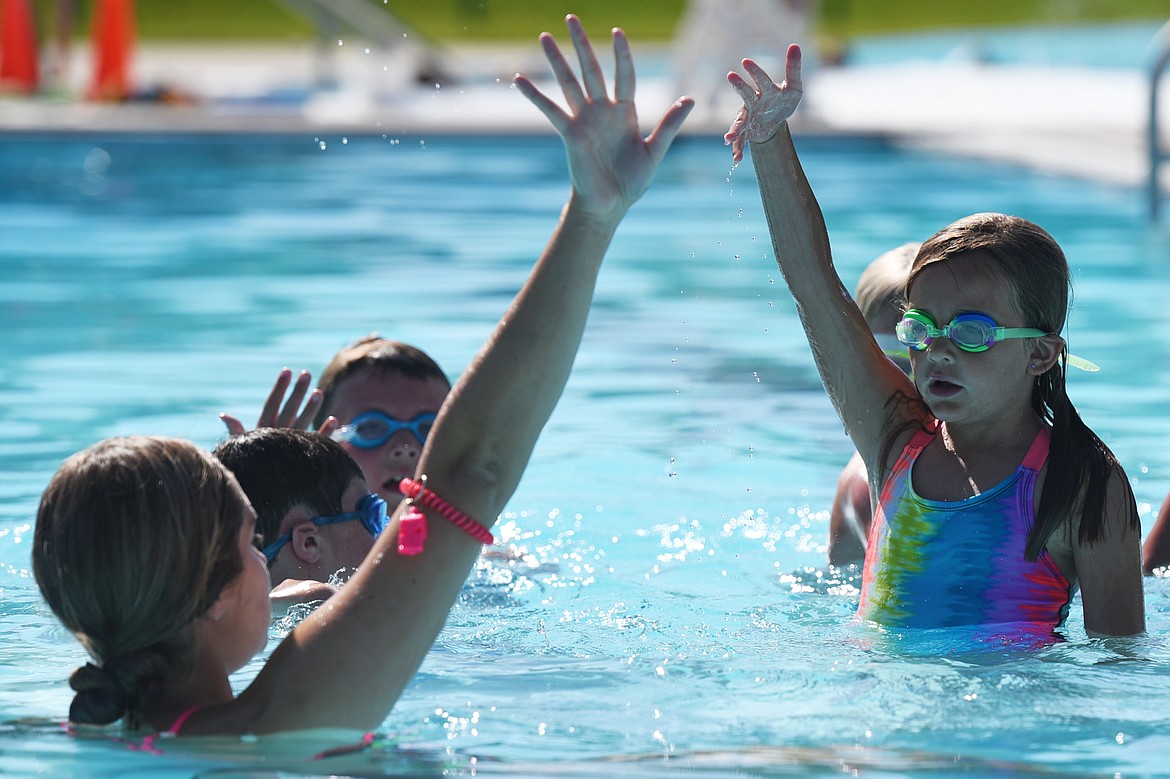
<point>1079,468</point>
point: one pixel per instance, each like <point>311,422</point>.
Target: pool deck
<point>1087,123</point>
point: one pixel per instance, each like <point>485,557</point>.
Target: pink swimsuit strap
<point>181,720</point>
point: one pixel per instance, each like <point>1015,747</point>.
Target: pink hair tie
<point>412,529</point>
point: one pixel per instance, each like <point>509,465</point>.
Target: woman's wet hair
<point>1036,270</point>
<point>280,468</point>
<point>135,539</point>
<point>380,355</point>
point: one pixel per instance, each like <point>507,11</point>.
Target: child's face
<point>969,387</point>
<point>399,397</point>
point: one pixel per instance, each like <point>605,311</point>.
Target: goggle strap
<point>1082,364</point>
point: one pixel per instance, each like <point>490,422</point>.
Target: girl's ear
<point>1045,354</point>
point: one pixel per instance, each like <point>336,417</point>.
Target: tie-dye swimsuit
<point>933,563</point>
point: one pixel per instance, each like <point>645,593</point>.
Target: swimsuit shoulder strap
<point>1038,451</point>
<point>923,436</point>
<point>181,720</point>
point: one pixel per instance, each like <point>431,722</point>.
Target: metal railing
<point>1161,57</point>
<point>376,24</point>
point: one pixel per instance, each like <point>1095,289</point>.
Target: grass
<point>647,20</point>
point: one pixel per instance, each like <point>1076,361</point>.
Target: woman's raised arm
<point>346,665</point>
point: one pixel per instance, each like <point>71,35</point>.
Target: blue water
<point>671,609</point>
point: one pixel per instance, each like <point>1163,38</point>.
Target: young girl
<point>143,547</point>
<point>994,500</point>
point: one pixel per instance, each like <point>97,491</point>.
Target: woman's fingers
<point>659,141</point>
<point>546,106</point>
<point>563,71</point>
<point>591,72</point>
<point>623,69</point>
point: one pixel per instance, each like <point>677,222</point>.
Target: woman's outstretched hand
<point>610,163</point>
<point>767,105</point>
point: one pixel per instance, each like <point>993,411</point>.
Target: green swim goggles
<point>971,332</point>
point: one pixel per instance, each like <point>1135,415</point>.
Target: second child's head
<point>1014,273</point>
<point>385,395</point>
<point>880,294</point>
<point>314,514</point>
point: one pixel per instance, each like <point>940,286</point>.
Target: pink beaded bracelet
<point>412,530</point>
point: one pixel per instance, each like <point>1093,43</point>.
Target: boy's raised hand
<point>611,165</point>
<point>274,415</point>
<point>766,106</point>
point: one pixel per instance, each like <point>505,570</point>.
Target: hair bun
<point>101,698</point>
<point>120,686</point>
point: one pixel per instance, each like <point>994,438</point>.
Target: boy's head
<point>294,479</point>
<point>882,286</point>
<point>375,355</point>
<point>393,391</point>
<point>880,295</point>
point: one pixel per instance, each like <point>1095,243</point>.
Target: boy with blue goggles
<point>373,428</point>
<point>371,511</point>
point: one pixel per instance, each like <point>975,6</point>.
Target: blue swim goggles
<point>373,428</point>
<point>371,510</point>
<point>971,332</point>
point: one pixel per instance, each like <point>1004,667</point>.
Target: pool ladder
<point>1161,49</point>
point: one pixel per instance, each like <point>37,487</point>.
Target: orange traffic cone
<point>113,43</point>
<point>18,47</point>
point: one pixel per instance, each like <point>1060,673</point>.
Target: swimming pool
<point>673,601</point>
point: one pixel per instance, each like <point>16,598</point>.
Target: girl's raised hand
<point>610,163</point>
<point>766,106</point>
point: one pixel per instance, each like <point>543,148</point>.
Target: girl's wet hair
<point>1033,264</point>
<point>135,539</point>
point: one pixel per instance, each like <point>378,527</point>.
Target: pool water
<point>667,607</point>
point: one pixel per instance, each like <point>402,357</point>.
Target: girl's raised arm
<point>346,665</point>
<point>858,377</point>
